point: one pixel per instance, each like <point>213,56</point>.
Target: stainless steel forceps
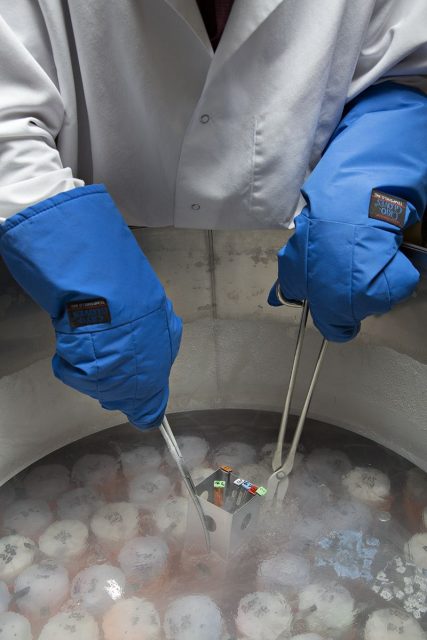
<point>279,480</point>
<point>176,454</point>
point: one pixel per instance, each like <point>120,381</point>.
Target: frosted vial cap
<point>194,450</point>
<point>328,465</point>
<point>283,570</point>
<point>192,618</point>
<point>64,540</point>
<point>264,616</point>
<point>416,550</point>
<point>140,459</point>
<point>311,495</point>
<point>307,636</point>
<point>148,490</point>
<point>79,504</point>
<point>133,619</point>
<point>97,587</point>
<point>144,559</point>
<point>47,586</point>
<point>14,626</point>
<point>334,607</point>
<point>171,517</point>
<point>71,625</point>
<point>94,469</point>
<point>234,454</point>
<point>16,554</point>
<point>367,484</point>
<point>393,624</point>
<point>47,481</point>
<point>27,517</point>
<point>115,522</point>
<point>4,597</point>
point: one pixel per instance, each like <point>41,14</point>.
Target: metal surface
<point>237,357</point>
<point>278,482</point>
<point>176,454</point>
<point>230,525</point>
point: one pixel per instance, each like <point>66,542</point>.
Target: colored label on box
<point>261,491</point>
<point>219,484</point>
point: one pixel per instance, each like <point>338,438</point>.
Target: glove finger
<point>144,413</point>
<point>334,332</point>
<point>293,261</point>
<point>292,264</point>
<point>272,299</point>
<point>402,278</point>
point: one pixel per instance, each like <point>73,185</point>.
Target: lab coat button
<point>195,206</point>
<point>204,118</point>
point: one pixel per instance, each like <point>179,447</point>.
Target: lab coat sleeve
<point>394,47</point>
<point>31,116</point>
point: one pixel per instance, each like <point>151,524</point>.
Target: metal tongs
<point>176,454</point>
<point>278,482</point>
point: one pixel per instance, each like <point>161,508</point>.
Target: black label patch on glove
<point>389,208</point>
<point>84,312</point>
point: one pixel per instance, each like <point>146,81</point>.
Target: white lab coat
<point>130,93</point>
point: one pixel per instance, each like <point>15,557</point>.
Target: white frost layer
<point>16,554</point>
<point>194,617</point>
<point>140,459</point>
<point>148,490</point>
<point>234,454</point>
<point>48,586</point>
<point>283,570</point>
<point>132,619</point>
<point>328,465</point>
<point>79,504</point>
<point>264,616</point>
<point>393,624</point>
<point>94,470</point>
<point>171,517</point>
<point>334,607</point>
<point>72,625</point>
<point>13,626</point>
<point>194,450</point>
<point>144,559</point>
<point>64,540</point>
<point>115,522</point>
<point>367,484</point>
<point>98,587</point>
<point>27,518</point>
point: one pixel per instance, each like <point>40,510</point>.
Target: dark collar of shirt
<point>215,15</point>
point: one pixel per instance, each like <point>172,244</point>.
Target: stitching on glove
<point>388,288</point>
<point>352,275</point>
<point>95,359</point>
<point>136,366</point>
<point>12,226</point>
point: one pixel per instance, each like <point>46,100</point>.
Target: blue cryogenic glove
<point>116,333</point>
<point>370,184</point>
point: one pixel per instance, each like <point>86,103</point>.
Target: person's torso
<point>182,136</point>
